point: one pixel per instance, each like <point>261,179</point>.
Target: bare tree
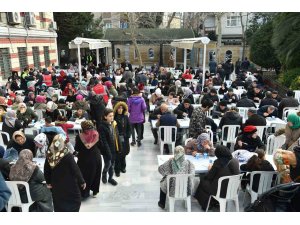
<point>243,32</point>
<point>218,16</point>
<point>170,19</point>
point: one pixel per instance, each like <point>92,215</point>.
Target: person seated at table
<point>196,87</point>
<point>3,107</point>
<point>172,99</point>
<point>11,99</point>
<point>187,75</point>
<point>21,141</point>
<point>255,94</point>
<point>268,111</point>
<point>69,87</point>
<point>18,100</point>
<point>223,89</point>
<point>62,122</point>
<point>184,109</point>
<point>51,130</point>
<point>41,142</point>
<point>4,164</point>
<point>156,98</point>
<point>217,80</point>
<point>212,95</point>
<point>238,82</point>
<point>29,100</point>
<point>188,94</point>
<point>292,129</point>
<point>40,102</point>
<point>255,163</point>
<point>71,97</point>
<point>153,80</point>
<point>80,114</point>
<point>231,117</point>
<point>275,96</point>
<point>220,110</point>
<point>27,171</point>
<point>156,114</point>
<point>26,115</point>
<point>249,140</point>
<point>254,119</point>
<point>52,111</point>
<point>230,97</point>
<point>200,145</point>
<point>10,124</point>
<point>245,101</point>
<point>289,101</point>
<point>176,88</point>
<point>80,104</point>
<point>175,165</point>
<point>268,100</point>
<point>224,165</point>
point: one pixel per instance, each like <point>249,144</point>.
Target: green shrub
<point>296,84</point>
<point>290,79</point>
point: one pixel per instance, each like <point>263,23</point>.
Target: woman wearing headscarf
<point>27,171</point>
<point>176,165</point>
<point>89,158</point>
<point>18,100</point>
<point>200,145</point>
<point>224,165</point>
<point>3,107</point>
<point>11,123</point>
<point>26,115</point>
<point>40,102</point>
<point>80,103</point>
<point>188,94</point>
<point>82,89</point>
<point>19,142</point>
<point>41,143</point>
<point>63,177</point>
<point>29,100</point>
<point>52,111</point>
<point>292,129</point>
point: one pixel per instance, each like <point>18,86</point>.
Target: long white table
<point>270,121</point>
<point>182,123</point>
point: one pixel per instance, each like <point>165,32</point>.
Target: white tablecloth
<point>182,123</point>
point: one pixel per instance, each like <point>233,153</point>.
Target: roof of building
<point>148,34</point>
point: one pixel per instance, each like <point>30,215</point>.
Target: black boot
<point>104,178</point>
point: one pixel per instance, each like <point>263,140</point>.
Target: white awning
<point>89,43</point>
<point>189,43</point>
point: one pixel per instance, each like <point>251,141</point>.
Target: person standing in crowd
<point>136,108</point>
<point>65,189</point>
<point>89,158</point>
<point>292,129</point>
<point>175,165</point>
<point>124,130</point>
<point>27,171</point>
<point>110,145</point>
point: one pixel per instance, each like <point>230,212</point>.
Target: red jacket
<point>65,127</point>
<point>99,89</point>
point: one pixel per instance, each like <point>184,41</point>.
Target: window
<point>36,57</point>
<point>5,62</point>
<point>46,56</point>
<point>151,53</point>
<point>123,25</point>
<point>108,25</point>
<point>118,53</point>
<point>233,21</point>
<point>42,19</point>
<point>22,53</point>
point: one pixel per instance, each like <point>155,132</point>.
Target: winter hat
<point>87,125</point>
<point>108,84</point>
<point>202,137</point>
<point>40,99</point>
<point>158,92</point>
<point>126,68</point>
<point>79,97</point>
<point>141,86</point>
<point>250,129</point>
<point>178,83</point>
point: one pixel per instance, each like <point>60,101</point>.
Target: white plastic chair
<point>211,135</point>
<point>167,137</point>
<point>15,199</point>
<point>297,95</point>
<point>1,138</point>
<point>240,87</point>
<point>274,143</point>
<point>232,132</point>
<point>243,111</point>
<point>261,131</point>
<point>265,183</point>
<point>288,110</point>
<point>234,182</point>
<point>180,192</point>
<point>62,112</point>
<point>39,113</point>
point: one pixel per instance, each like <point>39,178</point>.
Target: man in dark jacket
<point>254,119</point>
<point>220,110</point>
<point>155,115</point>
<point>230,97</point>
<point>276,96</point>
<point>184,109</point>
<point>212,95</point>
<point>268,100</point>
<point>289,101</point>
<point>256,95</point>
<point>268,111</point>
<point>245,102</point>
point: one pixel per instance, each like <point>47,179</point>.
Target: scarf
<point>56,151</point>
<point>10,118</point>
<point>24,167</point>
<point>89,138</point>
<point>295,120</point>
<point>223,154</point>
<point>179,158</point>
<point>187,93</point>
<point>18,133</point>
<point>51,106</point>
<point>42,140</point>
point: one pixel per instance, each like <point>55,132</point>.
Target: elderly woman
<point>27,171</point>
<point>52,111</point>
<point>18,100</point>
<point>40,102</point>
<point>26,115</point>
<point>200,145</point>
<point>29,100</point>
<point>41,143</point>
<point>292,129</point>
<point>11,123</point>
<point>80,114</point>
<point>19,142</point>
<point>3,107</point>
<point>80,103</point>
<point>156,97</point>
<point>89,157</point>
<point>65,189</point>
<point>224,165</point>
<point>188,94</point>
<point>176,165</point>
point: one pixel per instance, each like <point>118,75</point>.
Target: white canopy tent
<point>79,43</point>
<point>189,43</point>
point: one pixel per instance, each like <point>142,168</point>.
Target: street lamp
<point>205,41</point>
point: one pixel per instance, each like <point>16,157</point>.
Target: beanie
<point>250,129</point>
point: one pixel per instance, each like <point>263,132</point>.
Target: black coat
<point>65,179</point>
<point>53,115</point>
<point>29,144</point>
<point>264,109</point>
<point>97,107</point>
<point>231,118</point>
<point>155,113</point>
<point>287,102</point>
<point>4,168</point>
<point>268,101</point>
<point>11,130</point>
<point>90,165</point>
<point>249,143</point>
<point>180,109</point>
<point>256,120</point>
<point>245,102</point>
<point>124,129</point>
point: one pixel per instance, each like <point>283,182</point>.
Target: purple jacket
<point>136,108</point>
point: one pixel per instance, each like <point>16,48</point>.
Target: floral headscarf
<point>10,118</point>
<point>89,135</point>
<point>42,140</point>
<point>56,151</point>
<point>51,106</point>
<point>24,167</point>
<point>177,162</point>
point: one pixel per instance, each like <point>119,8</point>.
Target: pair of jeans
<point>109,165</point>
<point>138,128</point>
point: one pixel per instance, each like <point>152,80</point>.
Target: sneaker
<point>139,144</point>
<point>117,174</point>
<point>104,179</point>
<point>123,171</point>
<point>132,143</point>
<point>112,182</point>
<point>161,205</point>
<point>95,194</point>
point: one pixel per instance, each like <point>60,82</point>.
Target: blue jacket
<point>4,193</point>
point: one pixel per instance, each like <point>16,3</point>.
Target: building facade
<point>27,39</point>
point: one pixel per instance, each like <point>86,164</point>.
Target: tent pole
<point>79,62</point>
<point>203,74</point>
<point>184,65</point>
<point>97,56</point>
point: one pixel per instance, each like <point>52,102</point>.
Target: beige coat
<point>291,135</point>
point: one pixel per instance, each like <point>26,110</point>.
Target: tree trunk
<point>243,34</point>
<point>170,20</point>
<point>219,33</point>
